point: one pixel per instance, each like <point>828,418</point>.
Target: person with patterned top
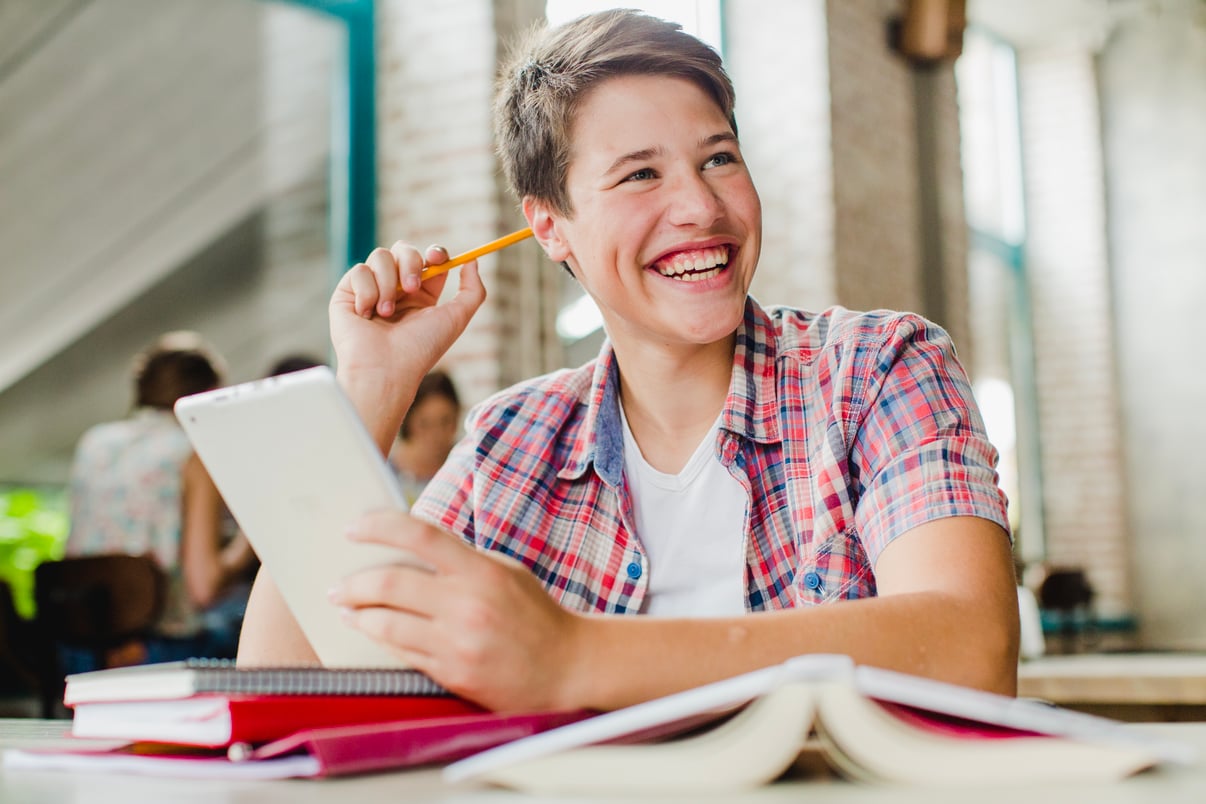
<point>138,488</point>
<point>757,482</point>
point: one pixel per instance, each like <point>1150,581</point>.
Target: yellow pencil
<point>470,256</point>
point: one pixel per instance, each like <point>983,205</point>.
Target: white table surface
<point>1166,785</point>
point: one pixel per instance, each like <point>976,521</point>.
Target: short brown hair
<point>176,365</point>
<point>551,71</point>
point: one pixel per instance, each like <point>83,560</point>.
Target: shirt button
<point>812,580</point>
<point>634,570</point>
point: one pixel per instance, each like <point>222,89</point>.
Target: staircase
<point>144,146</point>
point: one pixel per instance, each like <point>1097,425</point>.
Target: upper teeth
<point>699,260</point>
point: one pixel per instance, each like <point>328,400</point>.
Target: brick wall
<point>875,162</point>
<point>899,226</point>
<point>1068,271</point>
<point>783,117</point>
<point>830,129</point>
<point>1151,75</point>
<point>437,175</point>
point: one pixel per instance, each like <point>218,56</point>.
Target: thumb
<point>470,292</point>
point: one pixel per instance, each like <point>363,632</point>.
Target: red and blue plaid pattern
<point>847,429</point>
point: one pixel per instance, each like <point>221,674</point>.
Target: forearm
<point>203,579</point>
<point>200,553</point>
<point>624,660</point>
<point>381,400</point>
<point>271,635</point>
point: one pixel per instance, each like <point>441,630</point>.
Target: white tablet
<point>296,466</point>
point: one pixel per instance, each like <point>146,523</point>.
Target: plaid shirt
<point>847,430</point>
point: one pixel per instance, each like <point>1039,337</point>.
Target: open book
<point>869,724</point>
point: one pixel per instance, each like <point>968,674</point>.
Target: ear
<point>545,226</point>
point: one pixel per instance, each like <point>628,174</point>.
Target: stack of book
<point>211,718</point>
<point>812,712</point>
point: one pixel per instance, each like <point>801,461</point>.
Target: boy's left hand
<point>480,624</point>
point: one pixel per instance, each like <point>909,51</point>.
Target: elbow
<point>993,666</point>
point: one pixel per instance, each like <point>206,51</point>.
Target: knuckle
<point>380,586</point>
<point>478,619</point>
<point>394,629</point>
<point>427,537</point>
<point>470,652</point>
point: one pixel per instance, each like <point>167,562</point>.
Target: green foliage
<point>33,529</point>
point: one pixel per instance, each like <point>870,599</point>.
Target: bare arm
<point>271,635</point>
<point>486,628</point>
<point>201,550</point>
<point>947,609</point>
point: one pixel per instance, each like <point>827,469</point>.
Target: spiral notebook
<point>199,676</point>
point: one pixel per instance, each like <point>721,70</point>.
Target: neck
<point>672,396</point>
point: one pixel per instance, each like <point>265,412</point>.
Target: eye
<point>644,174</point>
<point>722,158</point>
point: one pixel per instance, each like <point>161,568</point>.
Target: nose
<point>694,201</point>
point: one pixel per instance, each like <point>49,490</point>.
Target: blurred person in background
<point>293,362</point>
<point>138,488</point>
<point>427,435</point>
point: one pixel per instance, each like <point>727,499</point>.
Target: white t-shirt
<point>692,526</point>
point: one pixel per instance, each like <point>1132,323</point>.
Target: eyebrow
<point>648,153</point>
<point>635,156</point>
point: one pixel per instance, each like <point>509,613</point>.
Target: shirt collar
<point>750,409</point>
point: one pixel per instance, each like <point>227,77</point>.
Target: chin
<point>713,327</point>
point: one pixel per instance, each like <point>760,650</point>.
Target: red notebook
<point>220,720</point>
<point>380,746</point>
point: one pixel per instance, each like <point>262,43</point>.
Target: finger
<point>399,587</point>
<point>436,254</point>
<point>410,265</point>
<point>384,266</point>
<point>363,285</point>
<point>401,632</point>
<point>443,551</point>
<point>470,293</point>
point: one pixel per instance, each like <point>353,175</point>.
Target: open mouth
<point>695,265</point>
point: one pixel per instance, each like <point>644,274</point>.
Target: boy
<point>765,483</point>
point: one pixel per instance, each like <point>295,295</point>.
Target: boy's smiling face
<point>666,223</point>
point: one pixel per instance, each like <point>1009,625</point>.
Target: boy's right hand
<point>389,329</point>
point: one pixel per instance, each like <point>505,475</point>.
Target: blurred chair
<point>95,603</point>
<point>1067,596</point>
<point>16,637</point>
